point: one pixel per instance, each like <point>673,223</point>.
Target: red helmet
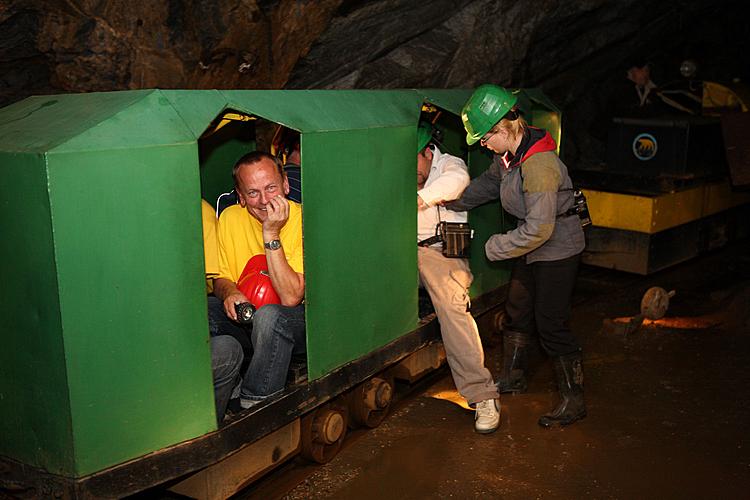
<point>255,282</point>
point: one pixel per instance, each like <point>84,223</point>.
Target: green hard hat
<point>424,135</point>
<point>486,106</point>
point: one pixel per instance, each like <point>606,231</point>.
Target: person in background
<point>293,168</point>
<point>640,75</point>
<point>533,186</point>
<point>654,100</point>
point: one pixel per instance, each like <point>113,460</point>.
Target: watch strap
<point>273,244</point>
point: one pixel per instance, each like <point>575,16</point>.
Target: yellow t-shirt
<point>210,245</point>
<point>241,237</point>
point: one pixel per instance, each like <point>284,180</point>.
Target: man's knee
<point>267,316</point>
<point>277,321</point>
<point>268,322</point>
<point>226,354</point>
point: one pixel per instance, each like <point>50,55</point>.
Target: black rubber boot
<point>515,361</point>
<point>569,373</point>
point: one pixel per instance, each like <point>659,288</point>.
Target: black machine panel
<point>657,147</point>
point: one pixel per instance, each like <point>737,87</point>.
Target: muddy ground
<point>668,409</point>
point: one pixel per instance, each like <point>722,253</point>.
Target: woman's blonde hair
<point>514,127</point>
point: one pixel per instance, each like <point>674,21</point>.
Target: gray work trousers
<point>447,281</point>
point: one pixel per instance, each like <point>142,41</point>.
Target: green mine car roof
<point>142,117</point>
<point>135,118</point>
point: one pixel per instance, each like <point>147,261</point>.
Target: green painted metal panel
<point>539,98</point>
<point>451,100</point>
<point>325,110</point>
<point>197,108</point>
<point>41,123</point>
<point>148,122</point>
<point>218,150</point>
<point>35,423</point>
<point>541,112</point>
<point>359,216</point>
<point>118,365</point>
<point>128,248</point>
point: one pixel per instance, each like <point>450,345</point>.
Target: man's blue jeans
<point>278,333</point>
<point>226,359</point>
<point>220,324</point>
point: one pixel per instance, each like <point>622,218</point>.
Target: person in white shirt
<point>443,177</point>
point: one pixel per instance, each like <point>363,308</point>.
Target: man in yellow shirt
<point>264,222</point>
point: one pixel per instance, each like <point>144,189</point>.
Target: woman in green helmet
<point>534,186</point>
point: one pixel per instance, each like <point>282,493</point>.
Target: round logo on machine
<point>644,146</point>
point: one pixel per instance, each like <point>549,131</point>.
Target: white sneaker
<point>487,417</point>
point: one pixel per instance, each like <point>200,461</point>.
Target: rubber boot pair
<point>569,374</point>
<point>515,362</point>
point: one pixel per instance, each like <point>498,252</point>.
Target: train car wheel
<point>497,321</point>
<point>322,432</point>
<point>369,402</point>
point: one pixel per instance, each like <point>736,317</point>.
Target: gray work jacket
<point>532,194</point>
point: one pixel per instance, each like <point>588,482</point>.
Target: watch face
<point>273,244</point>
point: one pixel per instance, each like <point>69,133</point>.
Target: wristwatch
<point>273,245</point>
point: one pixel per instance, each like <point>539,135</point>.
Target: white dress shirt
<point>448,178</point>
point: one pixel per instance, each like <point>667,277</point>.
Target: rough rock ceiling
<point>577,51</point>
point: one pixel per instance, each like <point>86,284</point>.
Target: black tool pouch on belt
<point>580,207</point>
<point>455,236</point>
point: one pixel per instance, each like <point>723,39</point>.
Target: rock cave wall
<point>576,51</point>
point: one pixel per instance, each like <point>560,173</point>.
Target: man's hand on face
<point>278,213</point>
<point>230,301</point>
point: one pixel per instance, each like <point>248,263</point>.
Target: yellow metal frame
<point>228,118</point>
<point>651,214</point>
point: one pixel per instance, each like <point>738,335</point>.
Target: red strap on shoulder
<point>546,143</point>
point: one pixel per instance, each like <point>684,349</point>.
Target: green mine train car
<point>106,383</point>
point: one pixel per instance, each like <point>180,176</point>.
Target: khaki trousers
<point>447,281</point>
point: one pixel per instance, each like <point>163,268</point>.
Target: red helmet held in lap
<point>255,282</point>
